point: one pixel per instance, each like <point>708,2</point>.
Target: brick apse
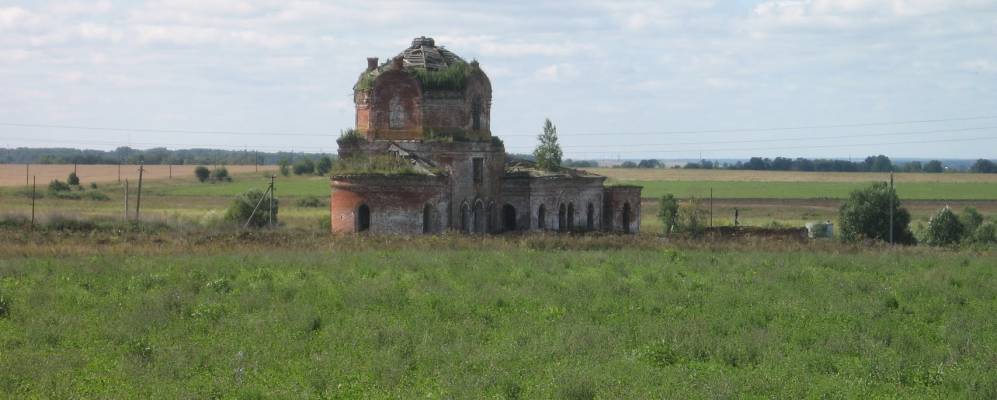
<point>429,111</point>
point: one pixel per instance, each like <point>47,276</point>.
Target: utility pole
<point>171,171</point>
<point>119,171</point>
<point>27,173</point>
<point>256,160</point>
<point>270,211</point>
<point>711,207</point>
<point>126,200</point>
<point>892,193</point>
<point>33,192</point>
<point>138,200</point>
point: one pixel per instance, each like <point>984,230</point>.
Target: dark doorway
<point>479,218</point>
<point>363,218</point>
<point>571,216</point>
<point>508,218</point>
<point>562,213</point>
<point>465,218</point>
<point>541,217</point>
<point>427,219</point>
<point>590,217</point>
<point>607,216</point>
<point>626,217</point>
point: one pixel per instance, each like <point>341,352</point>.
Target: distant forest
<point>879,163</point>
<point>127,155</point>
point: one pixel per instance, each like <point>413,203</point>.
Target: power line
<point>514,134</point>
<point>779,139</point>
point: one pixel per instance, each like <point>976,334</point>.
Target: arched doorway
<point>427,219</point>
<point>479,217</point>
<point>508,218</point>
<point>590,217</point>
<point>571,216</point>
<point>363,218</point>
<point>562,214</point>
<point>465,218</point>
<point>607,216</point>
<point>626,217</point>
<point>542,218</point>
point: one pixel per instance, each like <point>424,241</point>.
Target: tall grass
<point>498,318</point>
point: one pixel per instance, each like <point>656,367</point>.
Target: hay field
<point>700,175</point>
<point>14,174</point>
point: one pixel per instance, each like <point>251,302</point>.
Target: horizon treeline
<point>128,155</point>
<point>878,163</point>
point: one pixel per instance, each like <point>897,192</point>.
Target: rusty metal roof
<point>424,54</point>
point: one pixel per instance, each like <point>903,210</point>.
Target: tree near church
<point>548,152</point>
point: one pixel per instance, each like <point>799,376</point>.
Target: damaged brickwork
<point>432,109</point>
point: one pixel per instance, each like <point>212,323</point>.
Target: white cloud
<point>556,73</point>
<point>980,66</point>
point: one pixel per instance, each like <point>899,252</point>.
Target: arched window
<point>427,219</point>
<point>626,217</point>
<point>396,113</point>
<point>465,218</point>
<point>541,218</point>
<point>562,214</point>
<point>476,114</point>
<point>590,217</point>
<point>607,216</point>
<point>479,217</point>
<point>571,216</point>
<point>508,218</point>
<point>363,218</point>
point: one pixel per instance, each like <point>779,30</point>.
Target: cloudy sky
<point>665,79</point>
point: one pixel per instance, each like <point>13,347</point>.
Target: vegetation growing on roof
<point>349,136</point>
<point>366,81</point>
<point>452,77</point>
<point>374,165</point>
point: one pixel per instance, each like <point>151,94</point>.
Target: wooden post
<point>33,192</point>
<point>270,211</point>
<point>27,173</point>
<point>711,207</point>
<point>74,168</point>
<point>119,171</point>
<point>891,208</point>
<point>138,199</point>
<point>171,171</point>
<point>256,161</point>
<point>126,200</point>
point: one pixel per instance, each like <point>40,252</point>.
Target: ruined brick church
<point>431,109</point>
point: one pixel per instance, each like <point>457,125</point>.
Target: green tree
<point>548,152</point>
<point>944,228</point>
<point>323,166</point>
<point>220,174</point>
<point>970,219</point>
<point>934,166</point>
<point>983,166</point>
<point>304,166</point>
<point>866,215</point>
<point>73,180</point>
<point>668,212</point>
<point>242,208</point>
<point>202,173</point>
<point>691,217</point>
<point>285,168</point>
<point>628,164</point>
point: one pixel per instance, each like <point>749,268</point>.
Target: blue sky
<point>620,79</point>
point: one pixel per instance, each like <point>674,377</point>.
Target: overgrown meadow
<point>293,315</point>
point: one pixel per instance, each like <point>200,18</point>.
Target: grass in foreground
<point>500,318</point>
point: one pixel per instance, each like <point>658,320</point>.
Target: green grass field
<point>813,190</point>
<point>489,318</point>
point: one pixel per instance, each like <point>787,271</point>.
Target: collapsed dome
<point>424,54</point>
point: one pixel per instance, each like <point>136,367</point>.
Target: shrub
<point>220,174</point>
<point>349,136</point>
<point>73,180</point>
<point>57,186</point>
<point>986,233</point>
<point>668,213</point>
<point>304,166</point>
<point>242,208</point>
<point>92,195</point>
<point>202,173</point>
<point>4,306</point>
<point>971,220</point>
<point>323,166</point>
<point>866,215</point>
<point>93,185</point>
<point>944,228</point>
<point>285,170</point>
<point>310,201</point>
<point>691,217</point>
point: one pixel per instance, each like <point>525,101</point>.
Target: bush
<point>310,201</point>
<point>242,208</point>
<point>944,228</point>
<point>304,166</point>
<point>220,174</point>
<point>986,233</point>
<point>4,306</point>
<point>971,220</point>
<point>73,180</point>
<point>93,185</point>
<point>202,173</point>
<point>866,215</point>
<point>349,136</point>
<point>323,166</point>
<point>57,186</point>
<point>668,213</point>
<point>691,217</point>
